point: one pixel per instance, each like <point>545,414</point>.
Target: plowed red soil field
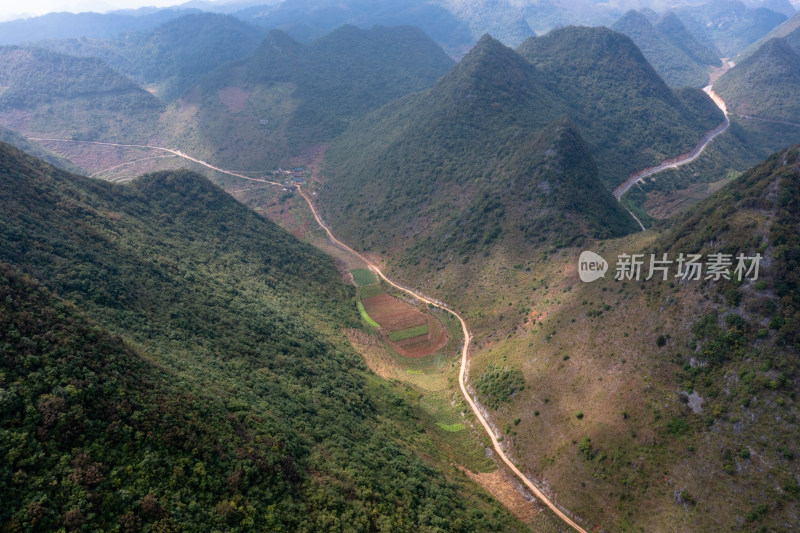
<point>394,315</point>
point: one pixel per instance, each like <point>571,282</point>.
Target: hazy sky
<point>9,10</point>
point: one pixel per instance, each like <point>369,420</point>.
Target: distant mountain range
<point>91,25</point>
<point>173,56</point>
<point>728,25</point>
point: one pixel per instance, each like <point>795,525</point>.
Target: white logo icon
<point>591,266</point>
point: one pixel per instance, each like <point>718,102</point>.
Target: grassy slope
<point>84,98</point>
<point>639,457</point>
<point>245,406</point>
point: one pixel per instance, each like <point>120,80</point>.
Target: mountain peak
<point>634,17</point>
<point>491,66</point>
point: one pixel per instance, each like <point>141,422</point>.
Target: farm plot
<point>409,331</point>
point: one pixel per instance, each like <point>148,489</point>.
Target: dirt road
<point>441,305</point>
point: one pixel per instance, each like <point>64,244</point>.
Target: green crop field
<point>408,333</point>
<point>452,428</point>
<point>366,317</point>
<point>362,276</point>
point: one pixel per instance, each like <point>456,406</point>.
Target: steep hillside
<point>671,27</point>
<point>288,97</point>
<point>173,56</point>
<point>468,165</point>
<point>198,379</point>
<point>729,24</point>
<point>766,85</point>
<point>671,62</point>
<point>37,150</point>
<point>83,97</point>
<point>652,404</point>
<point>626,113</point>
<point>788,31</point>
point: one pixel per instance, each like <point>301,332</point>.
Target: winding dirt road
<point>462,374</point>
<point>681,159</point>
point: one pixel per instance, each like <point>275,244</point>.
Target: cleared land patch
<point>362,276</point>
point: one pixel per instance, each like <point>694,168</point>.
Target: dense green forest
<point>172,361</point>
<point>173,56</point>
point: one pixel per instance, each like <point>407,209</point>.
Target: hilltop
<point>671,62</point>
<point>163,345</point>
<point>47,92</point>
<point>469,166</point>
<point>671,27</point>
<point>629,117</point>
<point>765,85</point>
<point>173,56</point>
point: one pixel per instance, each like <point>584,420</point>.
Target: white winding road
<point>683,159</point>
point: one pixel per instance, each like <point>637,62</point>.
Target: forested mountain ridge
<point>624,110</point>
<point>467,165</point>
<point>198,378</point>
<point>670,26</point>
